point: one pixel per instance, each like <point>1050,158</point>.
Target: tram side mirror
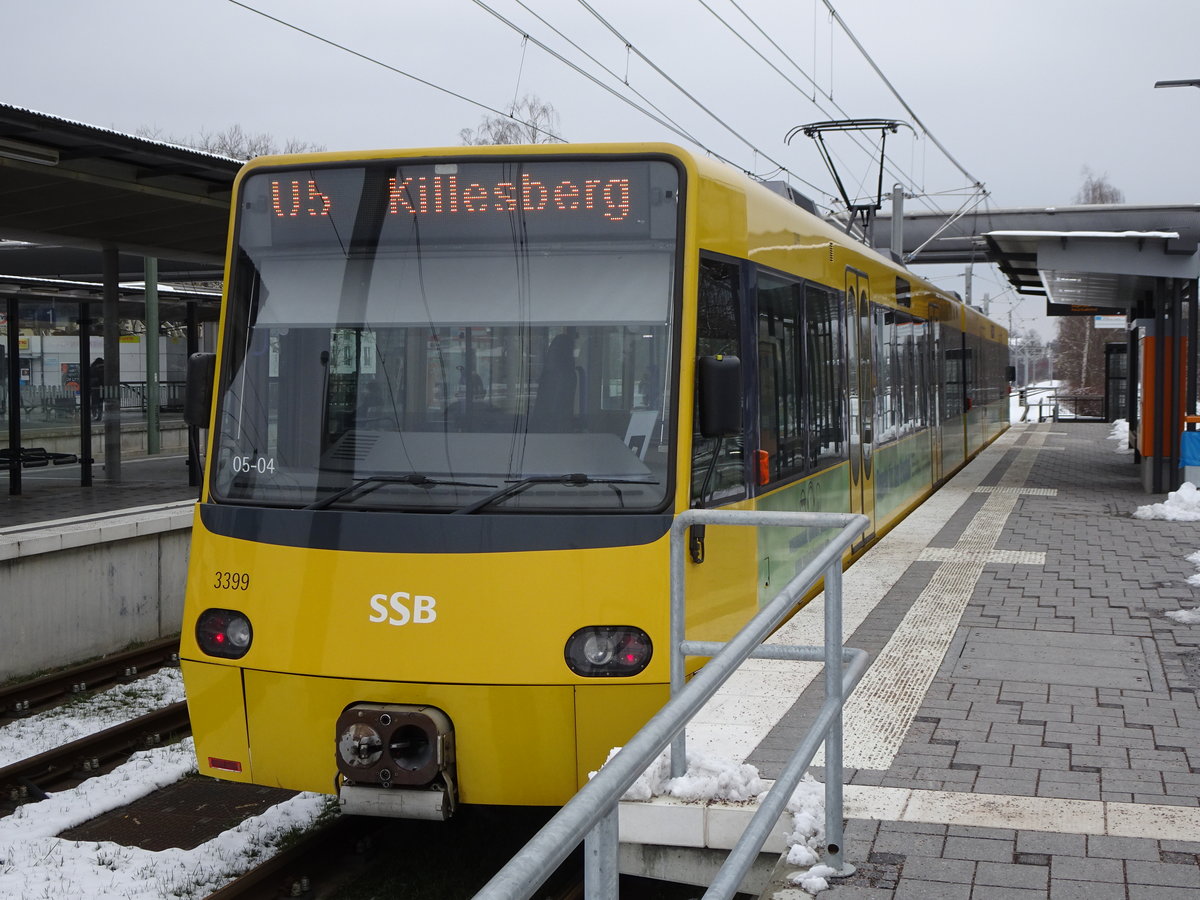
<point>1012,374</point>
<point>719,384</point>
<point>198,393</point>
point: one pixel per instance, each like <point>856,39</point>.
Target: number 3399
<point>232,581</point>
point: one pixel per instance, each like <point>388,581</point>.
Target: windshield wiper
<point>575,479</point>
<point>373,482</point>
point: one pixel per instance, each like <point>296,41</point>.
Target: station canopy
<point>1100,257</point>
<point>67,188</point>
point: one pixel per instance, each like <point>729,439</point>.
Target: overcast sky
<point>1023,93</point>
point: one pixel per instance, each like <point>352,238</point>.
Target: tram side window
<point>908,369</point>
<point>717,332</point>
<point>956,369</point>
<point>825,365</point>
<point>781,433</point>
<point>924,366</point>
<point>887,384</point>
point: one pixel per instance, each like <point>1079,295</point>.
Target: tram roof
<point>71,185</point>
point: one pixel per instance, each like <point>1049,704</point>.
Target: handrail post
<point>591,817</point>
<point>833,737</point>
<point>677,630</point>
<point>601,879</point>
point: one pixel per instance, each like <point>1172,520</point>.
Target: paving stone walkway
<point>1063,679</point>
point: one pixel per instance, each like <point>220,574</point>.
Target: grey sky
<point>1023,93</point>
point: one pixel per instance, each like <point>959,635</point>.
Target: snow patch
<point>1182,505</point>
<point>1119,435</point>
<point>710,779</point>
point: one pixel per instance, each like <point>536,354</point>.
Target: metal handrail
<point>590,816</point>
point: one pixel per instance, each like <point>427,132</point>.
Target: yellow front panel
<point>610,714</point>
<point>435,617</point>
<point>214,697</point>
<point>514,744</point>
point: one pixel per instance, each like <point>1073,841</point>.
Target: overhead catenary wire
<point>878,71</point>
<point>676,127</point>
<point>658,116</point>
<point>669,124</point>
<point>623,79</point>
<point>675,84</point>
<point>891,168</point>
<point>510,114</point>
<point>391,68</point>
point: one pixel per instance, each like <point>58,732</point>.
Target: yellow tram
<point>455,410</point>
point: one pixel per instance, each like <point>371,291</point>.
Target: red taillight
<point>229,765</point>
<point>224,632</point>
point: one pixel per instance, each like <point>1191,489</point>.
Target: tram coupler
<point>396,760</point>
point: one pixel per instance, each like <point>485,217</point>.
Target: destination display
<point>397,203</point>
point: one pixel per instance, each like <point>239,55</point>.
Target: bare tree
<point>1097,189</point>
<point>1079,358</point>
<point>234,142</point>
<point>530,121</point>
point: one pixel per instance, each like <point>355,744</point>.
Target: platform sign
<point>1081,309</point>
<point>1109,322</point>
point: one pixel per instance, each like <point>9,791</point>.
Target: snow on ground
<point>1119,435</point>
<point>1182,505</point>
<point>1017,412</point>
<point>1189,616</point>
<point>35,864</point>
<point>44,731</point>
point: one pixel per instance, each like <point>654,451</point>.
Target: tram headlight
<point>224,632</point>
<point>605,651</point>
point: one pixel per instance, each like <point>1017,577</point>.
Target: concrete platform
<point>1029,725</point>
<point>89,571</point>
<point>51,493</point>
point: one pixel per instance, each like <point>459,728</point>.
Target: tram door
<point>936,383</point>
<point>861,384</point>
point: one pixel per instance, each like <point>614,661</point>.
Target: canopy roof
<point>73,185</point>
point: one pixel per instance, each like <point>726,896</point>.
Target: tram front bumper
<point>513,744</point>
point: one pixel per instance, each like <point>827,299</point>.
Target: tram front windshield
<point>452,337</point>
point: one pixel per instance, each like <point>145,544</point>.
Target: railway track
<point>324,862</point>
<point>30,778</point>
<point>29,696</point>
<point>329,861</point>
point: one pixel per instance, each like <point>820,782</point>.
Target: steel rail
<point>291,872</point>
<point>22,697</point>
<point>67,761</point>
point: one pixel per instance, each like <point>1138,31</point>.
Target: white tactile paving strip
<point>886,700</point>
<point>882,707</point>
<point>665,821</point>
